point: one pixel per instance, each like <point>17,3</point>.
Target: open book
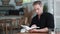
<point>28,28</point>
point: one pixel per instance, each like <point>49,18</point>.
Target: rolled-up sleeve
<point>50,21</point>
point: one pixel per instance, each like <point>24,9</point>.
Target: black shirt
<point>46,20</point>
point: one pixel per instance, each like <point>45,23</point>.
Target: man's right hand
<point>33,25</point>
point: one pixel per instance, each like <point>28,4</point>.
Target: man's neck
<point>39,16</point>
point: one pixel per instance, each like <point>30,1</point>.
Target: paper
<point>28,28</point>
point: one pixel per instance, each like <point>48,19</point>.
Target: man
<point>43,20</point>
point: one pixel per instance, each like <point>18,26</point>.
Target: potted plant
<point>45,8</point>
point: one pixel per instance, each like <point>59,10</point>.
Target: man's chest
<point>40,22</point>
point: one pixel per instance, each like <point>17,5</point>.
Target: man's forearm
<point>43,30</point>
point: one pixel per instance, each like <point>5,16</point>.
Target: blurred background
<point>13,13</point>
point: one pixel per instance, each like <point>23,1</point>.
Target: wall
<point>57,13</point>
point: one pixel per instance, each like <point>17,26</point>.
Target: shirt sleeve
<point>50,21</point>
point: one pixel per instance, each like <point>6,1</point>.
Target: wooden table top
<point>32,33</point>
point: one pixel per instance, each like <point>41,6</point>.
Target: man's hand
<point>33,30</point>
<point>34,25</point>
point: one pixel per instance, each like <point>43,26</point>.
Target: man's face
<point>38,9</point>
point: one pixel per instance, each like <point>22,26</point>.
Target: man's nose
<point>36,10</point>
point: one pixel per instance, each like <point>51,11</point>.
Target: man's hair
<point>37,2</point>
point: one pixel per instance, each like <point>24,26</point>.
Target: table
<point>32,33</point>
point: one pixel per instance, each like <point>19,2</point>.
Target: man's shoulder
<point>47,14</point>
